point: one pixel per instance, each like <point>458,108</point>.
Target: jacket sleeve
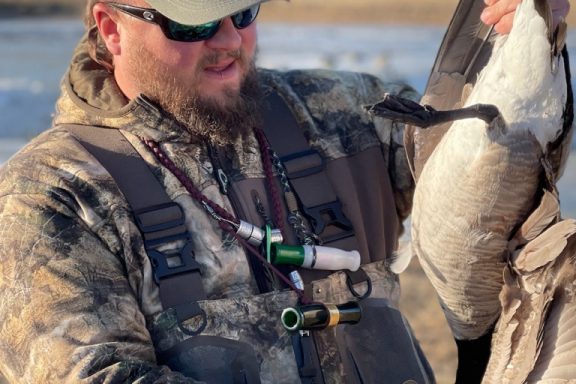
<point>391,136</point>
<point>403,183</point>
<point>67,311</point>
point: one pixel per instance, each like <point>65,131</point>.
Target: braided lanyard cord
<point>270,158</point>
<point>225,220</point>
<point>187,183</point>
<point>278,212</point>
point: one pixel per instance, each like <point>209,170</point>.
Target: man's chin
<point>225,98</point>
<point>216,114</point>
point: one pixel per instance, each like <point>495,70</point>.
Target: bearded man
<point>97,288</point>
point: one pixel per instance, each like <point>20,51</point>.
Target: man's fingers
<point>500,13</point>
<point>494,13</point>
<point>504,26</point>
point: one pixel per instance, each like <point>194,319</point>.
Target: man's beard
<point>219,122</point>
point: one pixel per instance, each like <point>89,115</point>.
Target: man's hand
<point>500,13</point>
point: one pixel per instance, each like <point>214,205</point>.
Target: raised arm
<point>500,13</point>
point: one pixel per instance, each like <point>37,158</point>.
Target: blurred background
<point>396,40</point>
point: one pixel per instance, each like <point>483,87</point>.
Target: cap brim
<point>195,12</point>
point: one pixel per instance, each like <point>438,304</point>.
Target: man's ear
<point>106,21</point>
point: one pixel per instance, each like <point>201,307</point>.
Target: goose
<point>486,150</point>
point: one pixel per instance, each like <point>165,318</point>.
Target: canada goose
<point>480,178</point>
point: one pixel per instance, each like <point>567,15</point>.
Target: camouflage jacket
<point>78,302</point>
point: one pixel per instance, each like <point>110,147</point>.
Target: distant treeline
<point>30,8</point>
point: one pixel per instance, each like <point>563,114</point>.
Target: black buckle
<point>161,224</point>
<point>162,269</point>
<point>329,214</point>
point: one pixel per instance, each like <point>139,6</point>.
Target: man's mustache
<point>215,57</point>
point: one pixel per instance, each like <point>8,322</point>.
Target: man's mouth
<point>223,71</point>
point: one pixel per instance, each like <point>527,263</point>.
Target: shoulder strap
<point>159,219</point>
<point>307,174</point>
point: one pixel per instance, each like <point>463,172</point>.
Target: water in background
<point>35,53</point>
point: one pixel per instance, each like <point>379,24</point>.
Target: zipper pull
<point>223,181</point>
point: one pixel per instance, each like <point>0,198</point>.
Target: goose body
<point>486,150</point>
<point>483,180</point>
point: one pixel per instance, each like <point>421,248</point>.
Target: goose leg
<point>409,112</point>
<point>473,356</point>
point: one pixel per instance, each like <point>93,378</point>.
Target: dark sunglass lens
<point>182,32</point>
<point>246,17</point>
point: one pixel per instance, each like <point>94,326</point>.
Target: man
<point>87,295</point>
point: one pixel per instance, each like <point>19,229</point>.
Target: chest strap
<point>159,219</point>
<point>306,171</point>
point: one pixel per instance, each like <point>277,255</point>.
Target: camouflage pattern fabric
<point>78,302</point>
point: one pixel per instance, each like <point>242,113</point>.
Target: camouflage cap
<point>195,12</point>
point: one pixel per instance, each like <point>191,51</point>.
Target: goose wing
<point>464,51</point>
<point>559,150</point>
<point>535,333</point>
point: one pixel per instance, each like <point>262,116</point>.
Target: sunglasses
<point>187,33</point>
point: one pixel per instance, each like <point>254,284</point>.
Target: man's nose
<point>227,37</point>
